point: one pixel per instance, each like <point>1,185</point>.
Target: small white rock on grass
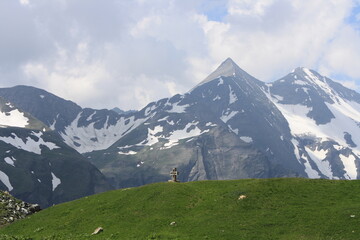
<point>242,197</point>
<point>97,230</point>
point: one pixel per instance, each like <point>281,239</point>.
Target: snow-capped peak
<point>305,79</point>
<point>309,75</point>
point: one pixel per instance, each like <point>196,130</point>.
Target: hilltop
<point>272,209</point>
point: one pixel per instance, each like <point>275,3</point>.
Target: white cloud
<point>249,7</point>
<point>350,84</point>
<point>127,53</point>
<point>267,38</point>
<point>71,75</point>
<point>343,54</point>
<point>24,2</point>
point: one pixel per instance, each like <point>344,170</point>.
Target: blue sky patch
<point>354,18</point>
<point>215,10</point>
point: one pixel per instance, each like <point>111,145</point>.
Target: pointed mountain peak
<point>229,61</point>
<point>226,69</point>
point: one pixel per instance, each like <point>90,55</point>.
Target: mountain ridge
<point>230,126</point>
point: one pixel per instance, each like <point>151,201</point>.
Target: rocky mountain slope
<point>83,129</point>
<point>37,166</point>
<point>232,125</point>
<point>229,126</point>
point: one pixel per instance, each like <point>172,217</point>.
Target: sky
<point>127,53</point>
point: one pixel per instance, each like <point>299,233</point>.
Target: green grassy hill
<point>273,209</point>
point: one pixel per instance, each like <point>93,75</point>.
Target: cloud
<point>81,77</point>
<point>343,55</point>
<point>24,2</point>
<point>127,53</point>
<point>267,38</point>
<point>350,84</point>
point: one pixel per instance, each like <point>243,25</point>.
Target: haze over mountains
<point>229,126</point>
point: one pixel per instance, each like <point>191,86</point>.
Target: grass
<point>274,209</point>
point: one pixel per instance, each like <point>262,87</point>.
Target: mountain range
<point>230,126</point>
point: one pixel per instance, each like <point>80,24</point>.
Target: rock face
<point>231,125</point>
<point>13,209</point>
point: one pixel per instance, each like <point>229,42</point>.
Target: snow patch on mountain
<point>338,147</point>
<point>127,153</point>
<point>163,119</point>
<point>140,163</point>
<point>318,156</point>
<point>234,130</point>
<point>167,121</point>
<point>300,82</point>
<point>151,138</point>
<point>176,108</point>
<point>14,118</point>
<point>308,169</point>
<point>90,117</point>
<point>350,166</point>
<point>78,137</point>
<point>296,147</point>
<point>221,81</point>
<point>279,98</point>
<point>6,181</point>
<point>232,96</point>
<point>228,115</point>
<point>29,144</point>
<point>210,124</point>
<point>216,98</point>
<point>10,161</point>
<point>246,139</point>
<point>52,126</point>
<point>55,181</point>
<point>187,132</point>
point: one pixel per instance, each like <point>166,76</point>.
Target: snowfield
<point>14,118</point>
<point>78,137</point>
<point>347,118</point>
